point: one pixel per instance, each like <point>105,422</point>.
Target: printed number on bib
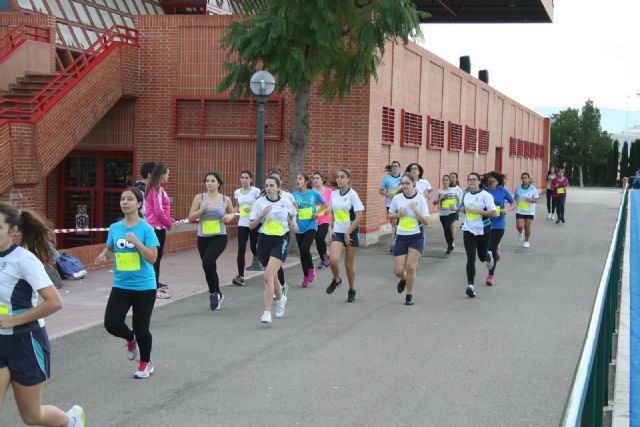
<point>560,190</point>
<point>448,203</point>
<point>305,213</point>
<point>211,226</point>
<point>127,261</point>
<point>245,210</point>
<point>341,215</point>
<point>273,228</point>
<point>4,310</point>
<point>407,224</point>
<point>523,206</point>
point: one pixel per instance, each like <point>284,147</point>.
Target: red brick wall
<point>10,20</point>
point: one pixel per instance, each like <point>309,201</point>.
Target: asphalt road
<point>504,358</point>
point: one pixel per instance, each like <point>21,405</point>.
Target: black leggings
<point>281,271</point>
<point>120,300</point>
<point>494,241</point>
<point>560,205</point>
<point>446,222</point>
<point>321,239</point>
<point>304,245</point>
<point>161,234</point>
<point>244,234</point>
<point>210,249</point>
<point>551,202</point>
<point>473,243</point>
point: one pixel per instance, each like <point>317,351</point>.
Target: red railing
<point>67,79</point>
<point>19,35</point>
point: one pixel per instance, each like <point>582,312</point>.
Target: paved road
<point>504,358</point>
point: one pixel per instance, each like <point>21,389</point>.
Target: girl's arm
<point>52,302</point>
<point>196,212</point>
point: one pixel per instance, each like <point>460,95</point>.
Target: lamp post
<point>262,85</point>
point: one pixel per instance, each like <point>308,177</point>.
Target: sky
<point>591,50</point>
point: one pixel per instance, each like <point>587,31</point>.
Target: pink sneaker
<point>305,282</point>
<point>311,274</point>
<point>144,370</point>
<point>489,280</point>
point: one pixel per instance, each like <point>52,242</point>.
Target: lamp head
<point>262,83</point>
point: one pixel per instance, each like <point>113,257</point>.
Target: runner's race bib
<point>273,228</point>
<point>128,261</point>
<point>407,224</point>
<point>211,226</point>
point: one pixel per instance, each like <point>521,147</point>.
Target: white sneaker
<point>521,236</point>
<point>132,349</point>
<point>144,370</point>
<point>525,245</point>
<point>471,291</point>
<point>549,216</point>
<point>266,317</point>
<point>76,415</point>
<point>280,306</point>
<point>553,216</point>
<point>489,262</point>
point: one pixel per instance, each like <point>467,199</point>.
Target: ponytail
<point>37,235</point>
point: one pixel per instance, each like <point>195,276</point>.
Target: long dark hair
<point>139,197</point>
<point>36,232</point>
<point>156,175</point>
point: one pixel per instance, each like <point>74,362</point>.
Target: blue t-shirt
<point>500,194</point>
<point>391,184</point>
<point>131,270</point>
<point>306,208</point>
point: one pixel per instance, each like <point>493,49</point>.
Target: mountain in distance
<point>613,121</point>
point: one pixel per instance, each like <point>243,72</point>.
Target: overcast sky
<point>591,50</point>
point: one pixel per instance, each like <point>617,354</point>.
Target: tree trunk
<point>581,177</point>
<point>300,134</point>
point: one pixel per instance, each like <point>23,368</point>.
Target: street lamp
<point>262,85</point>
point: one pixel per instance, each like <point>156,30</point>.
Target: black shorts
<point>339,237</point>
<point>27,355</point>
<point>271,246</point>
<point>521,216</point>
<point>403,243</point>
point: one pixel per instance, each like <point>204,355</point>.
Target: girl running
<point>551,207</point>
<point>289,197</point>
<point>526,197</point>
<point>245,197</point>
<point>411,210</point>
<point>422,185</point>
<point>448,199</point>
<point>324,218</point>
<point>24,344</point>
<point>275,216</point>
<point>306,201</point>
<point>560,184</point>
<point>158,215</point>
<point>134,246</point>
<point>346,209</point>
<point>214,211</point>
<point>389,187</point>
<point>494,185</point>
<point>477,205</point>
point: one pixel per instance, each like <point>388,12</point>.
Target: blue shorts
<point>522,216</point>
<point>271,246</point>
<point>339,237</point>
<point>27,355</point>
<point>403,243</point>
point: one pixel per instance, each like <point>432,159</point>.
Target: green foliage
<point>634,157</point>
<point>624,160</point>
<point>337,43</point>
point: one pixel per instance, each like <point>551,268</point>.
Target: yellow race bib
<point>245,210</point>
<point>407,224</point>
<point>273,228</point>
<point>560,190</point>
<point>127,261</point>
<point>341,215</point>
<point>448,203</point>
<point>523,206</point>
<point>4,310</point>
<point>211,226</point>
<point>472,216</point>
<point>497,210</point>
<point>305,213</point>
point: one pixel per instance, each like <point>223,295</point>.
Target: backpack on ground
<point>71,267</point>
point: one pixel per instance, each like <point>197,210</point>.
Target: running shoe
<point>471,291</point>
<point>332,287</point>
<point>162,293</point>
<point>311,274</point>
<point>76,415</point>
<point>408,300</point>
<point>550,216</point>
<point>144,370</point>
<point>238,280</point>
<point>558,221</point>
<point>220,299</point>
<point>325,261</point>
<point>449,250</point>
<point>489,280</point>
<point>521,236</point>
<point>305,282</point>
<point>214,301</point>
<point>401,284</point>
<point>526,244</point>
<point>351,295</point>
<point>266,317</point>
<point>562,220</point>
<point>132,349</point>
<point>489,262</point>
<point>280,307</point>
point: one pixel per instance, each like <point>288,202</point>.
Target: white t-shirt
<point>423,186</point>
<point>246,201</point>
<point>275,223</point>
<point>449,199</point>
<point>343,208</point>
<point>22,275</point>
<point>482,200</point>
<point>409,224</point>
<point>285,194</point>
<point>524,207</point>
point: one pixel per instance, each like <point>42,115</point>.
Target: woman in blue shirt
<point>134,246</point>
<point>306,200</point>
<point>493,183</point>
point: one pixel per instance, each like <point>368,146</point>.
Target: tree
<point>614,159</point>
<point>634,157</point>
<point>335,44</point>
<point>624,160</point>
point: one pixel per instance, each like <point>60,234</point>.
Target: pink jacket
<point>158,208</point>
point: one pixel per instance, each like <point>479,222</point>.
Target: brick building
<point>81,120</point>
